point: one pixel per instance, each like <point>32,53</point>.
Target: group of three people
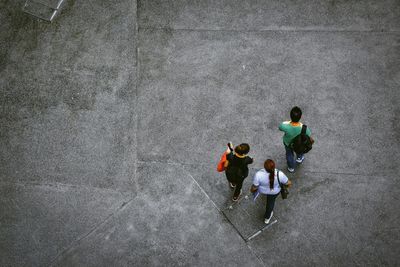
<point>268,180</point>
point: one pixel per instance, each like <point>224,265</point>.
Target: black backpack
<point>302,142</point>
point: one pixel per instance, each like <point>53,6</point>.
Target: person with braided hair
<point>266,182</point>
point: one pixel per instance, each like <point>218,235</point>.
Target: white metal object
<point>261,230</point>
<point>43,9</point>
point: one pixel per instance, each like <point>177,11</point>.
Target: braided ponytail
<point>269,166</point>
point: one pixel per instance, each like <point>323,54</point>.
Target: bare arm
<point>226,164</point>
<point>253,188</point>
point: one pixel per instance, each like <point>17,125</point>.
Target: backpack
<point>302,142</point>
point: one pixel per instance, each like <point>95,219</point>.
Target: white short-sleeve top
<point>261,180</point>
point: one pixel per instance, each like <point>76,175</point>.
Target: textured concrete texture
<point>239,86</point>
<point>169,223</point>
<point>259,15</point>
<point>67,95</point>
<point>114,117</point>
<point>38,222</point>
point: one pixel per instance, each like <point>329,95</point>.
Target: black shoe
<point>236,198</point>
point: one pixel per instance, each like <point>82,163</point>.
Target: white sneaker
<point>300,160</point>
<point>270,217</point>
<point>290,170</point>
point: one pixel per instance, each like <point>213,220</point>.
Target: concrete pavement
<point>114,116</point>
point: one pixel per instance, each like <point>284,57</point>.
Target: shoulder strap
<point>277,176</point>
<point>303,129</point>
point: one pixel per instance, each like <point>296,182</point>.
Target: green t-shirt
<point>291,131</point>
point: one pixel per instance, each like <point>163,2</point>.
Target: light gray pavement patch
<point>207,88</point>
<point>353,15</point>
<point>328,219</point>
<point>37,222</point>
<point>339,220</point>
<point>170,223</point>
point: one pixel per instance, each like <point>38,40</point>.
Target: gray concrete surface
<point>114,116</point>
<point>168,223</point>
<point>39,221</point>
<point>67,96</point>
<point>259,15</point>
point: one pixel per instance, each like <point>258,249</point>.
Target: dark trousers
<point>238,188</point>
<point>235,181</point>
<point>270,205</point>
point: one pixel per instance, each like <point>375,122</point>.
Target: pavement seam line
<point>77,241</point>
<point>202,190</point>
<point>255,254</point>
<point>269,30</point>
<point>215,205</point>
<point>137,82</point>
<point>182,166</point>
<point>224,215</point>
<point>254,168</point>
<point>58,185</point>
<point>352,174</point>
<point>170,163</point>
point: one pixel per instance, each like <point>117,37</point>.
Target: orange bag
<point>221,163</point>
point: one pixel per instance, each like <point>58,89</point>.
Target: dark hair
<point>242,149</point>
<point>269,166</point>
<point>295,114</point>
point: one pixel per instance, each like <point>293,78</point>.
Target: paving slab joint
<point>286,29</point>
<point>382,174</point>
<point>58,185</point>
<point>76,243</point>
<point>202,190</point>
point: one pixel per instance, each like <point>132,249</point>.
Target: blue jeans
<point>290,157</point>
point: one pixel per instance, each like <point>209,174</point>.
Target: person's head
<point>242,149</point>
<point>269,166</point>
<point>295,114</point>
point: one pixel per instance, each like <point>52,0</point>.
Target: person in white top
<point>265,181</point>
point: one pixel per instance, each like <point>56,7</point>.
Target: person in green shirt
<point>291,129</point>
